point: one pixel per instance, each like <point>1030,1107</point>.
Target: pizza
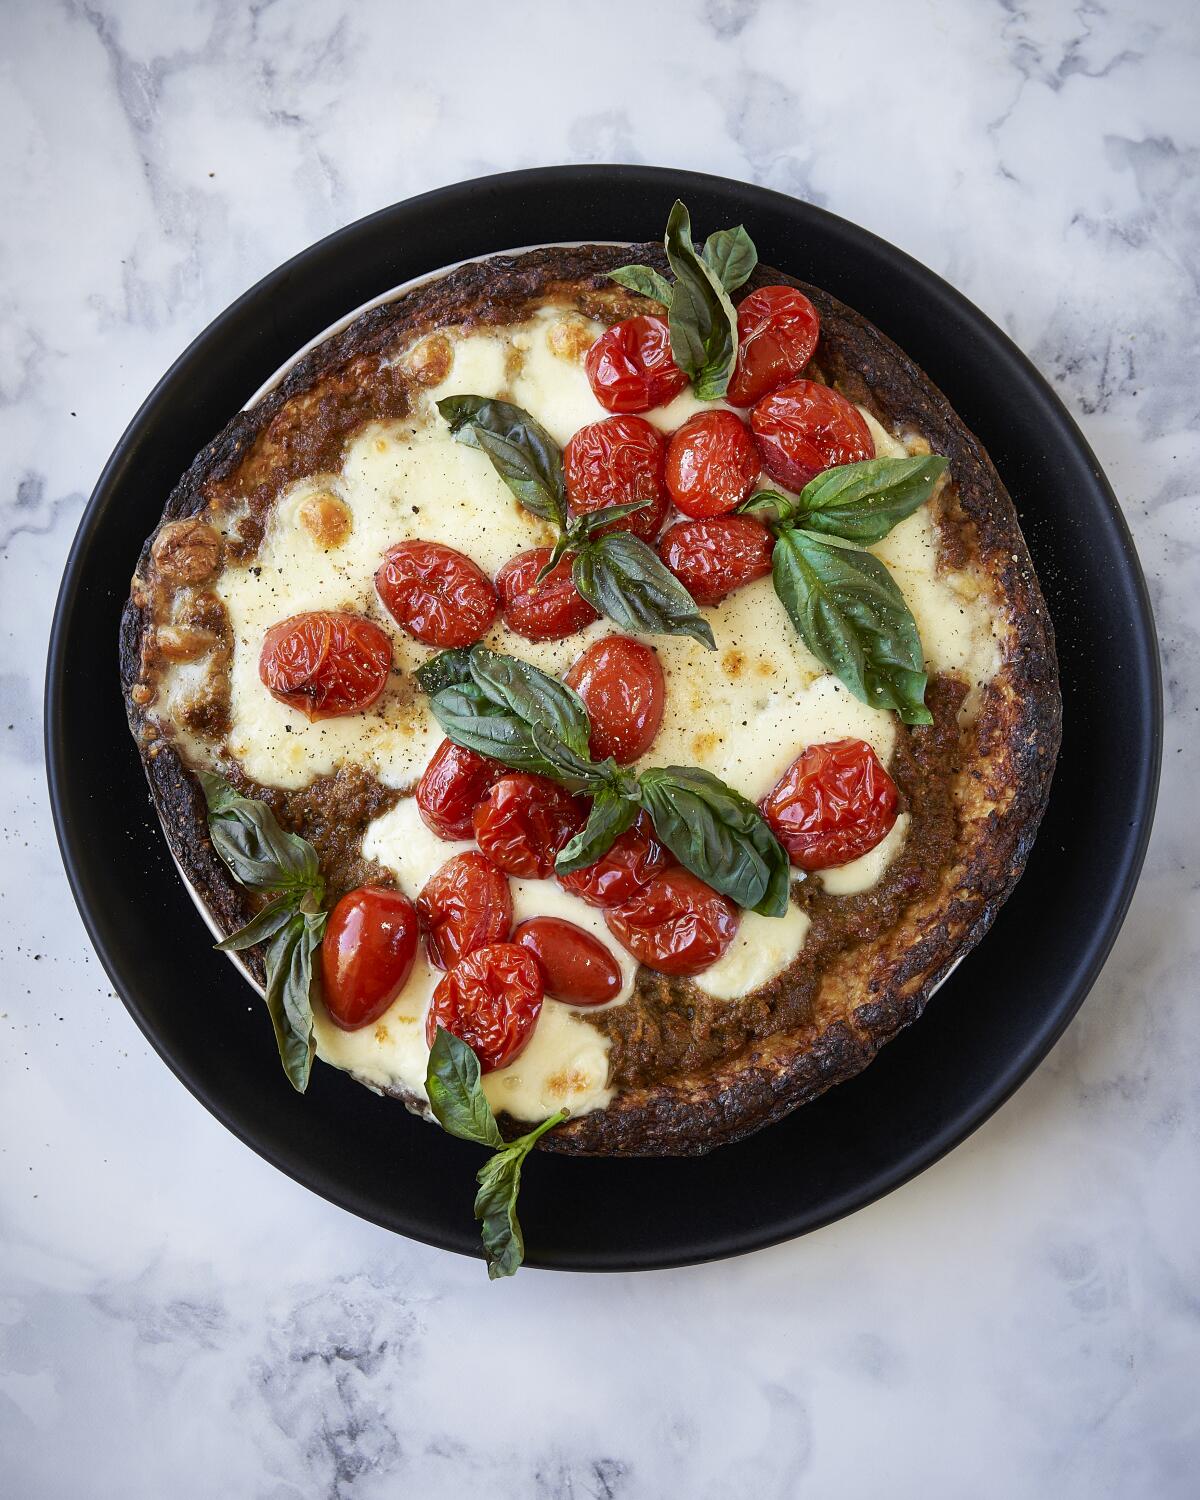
<point>600,692</point>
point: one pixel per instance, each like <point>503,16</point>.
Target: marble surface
<point>176,1317</point>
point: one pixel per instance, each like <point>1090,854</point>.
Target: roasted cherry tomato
<point>712,558</point>
<point>712,464</point>
<point>617,462</point>
<point>803,428</point>
<point>778,329</point>
<point>630,864</point>
<point>437,595</point>
<point>367,954</point>
<point>490,1000</point>
<point>464,905</point>
<point>576,966</point>
<point>677,925</point>
<point>630,366</point>
<point>544,611</point>
<point>524,821</point>
<point>452,786</point>
<point>833,803</point>
<point>326,663</point>
<point>621,684</point>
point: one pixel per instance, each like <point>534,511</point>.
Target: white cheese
<point>861,874</point>
<point>763,947</point>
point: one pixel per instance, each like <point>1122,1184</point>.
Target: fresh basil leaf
<point>610,816</point>
<point>470,718</point>
<point>862,502</point>
<point>455,1094</point>
<point>258,852</point>
<point>701,317</point>
<point>522,452</point>
<point>266,924</point>
<point>288,996</point>
<point>768,505</point>
<point>853,619</point>
<point>731,255</point>
<point>499,1182</point>
<point>623,578</point>
<point>644,280</point>
<point>719,836</point>
<point>579,772</point>
<point>588,521</point>
<point>447,667</point>
<point>561,544</point>
<point>533,695</point>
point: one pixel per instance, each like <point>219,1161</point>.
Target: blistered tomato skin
<point>524,821</point>
<point>622,686</point>
<point>452,786</point>
<point>712,463</point>
<point>834,803</point>
<point>491,1000</point>
<point>778,330</point>
<point>630,367</point>
<point>465,905</point>
<point>618,462</point>
<point>677,925</point>
<point>713,558</point>
<point>545,611</point>
<point>576,966</point>
<point>367,954</point>
<point>804,428</point>
<point>630,864</point>
<point>326,663</point>
<point>438,595</point>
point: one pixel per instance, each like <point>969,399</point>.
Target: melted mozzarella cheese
<point>763,947</point>
<point>868,870</point>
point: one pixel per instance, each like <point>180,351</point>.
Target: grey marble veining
<point>177,1318</point>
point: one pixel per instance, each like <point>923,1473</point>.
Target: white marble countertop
<point>176,1318</point>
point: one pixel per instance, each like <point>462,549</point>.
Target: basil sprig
<point>530,721</point>
<point>618,575</point>
<point>460,1106</point>
<point>856,502</point>
<point>265,857</point>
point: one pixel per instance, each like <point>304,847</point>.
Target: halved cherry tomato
<point>712,558</point>
<point>833,803</point>
<point>524,821</point>
<point>452,786</point>
<point>629,865</point>
<point>544,611</point>
<point>367,954</point>
<point>437,594</point>
<point>325,663</point>
<point>677,925</point>
<point>803,428</point>
<point>464,905</point>
<point>712,464</point>
<point>491,1001</point>
<point>622,687</point>
<point>630,366</point>
<point>576,966</point>
<point>617,462</point>
<point>778,330</point>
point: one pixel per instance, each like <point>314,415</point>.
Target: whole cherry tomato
<point>833,803</point>
<point>803,428</point>
<point>325,663</point>
<point>629,865</point>
<point>618,462</point>
<point>490,1000</point>
<point>452,786</point>
<point>367,954</point>
<point>712,558</point>
<point>778,329</point>
<point>622,687</point>
<point>677,925</point>
<point>576,966</point>
<point>437,595</point>
<point>524,821</point>
<point>544,611</point>
<point>712,464</point>
<point>630,366</point>
<point>464,905</point>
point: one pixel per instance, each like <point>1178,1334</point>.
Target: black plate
<point>985,1032</point>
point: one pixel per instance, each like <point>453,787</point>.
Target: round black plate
<point>993,1021</point>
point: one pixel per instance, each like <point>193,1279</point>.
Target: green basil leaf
<point>702,319</point>
<point>446,668</point>
<point>522,452</point>
<point>258,852</point>
<point>610,816</point>
<point>644,280</point>
<point>534,696</point>
<point>266,924</point>
<point>719,835</point>
<point>499,1182</point>
<point>579,772</point>
<point>853,619</point>
<point>588,521</point>
<point>455,1094</point>
<point>768,505</point>
<point>288,994</point>
<point>561,543</point>
<point>625,579</point>
<point>862,502</point>
<point>730,253</point>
